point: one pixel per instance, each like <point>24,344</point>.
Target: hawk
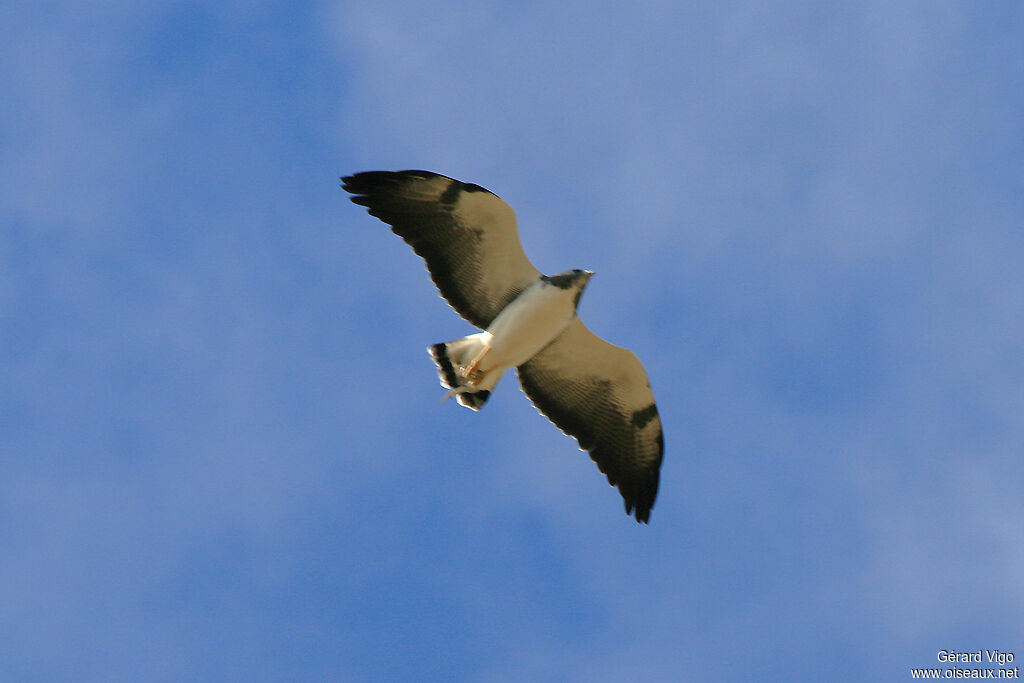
<point>590,389</point>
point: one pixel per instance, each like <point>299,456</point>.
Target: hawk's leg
<point>472,372</point>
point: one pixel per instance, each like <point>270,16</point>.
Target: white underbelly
<point>527,325</point>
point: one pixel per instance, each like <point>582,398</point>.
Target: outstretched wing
<point>466,234</point>
<point>599,393</point>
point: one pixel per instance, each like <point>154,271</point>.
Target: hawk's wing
<point>466,234</point>
<point>599,393</point>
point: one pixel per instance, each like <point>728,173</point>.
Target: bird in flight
<point>590,389</point>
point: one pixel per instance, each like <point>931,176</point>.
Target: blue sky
<point>222,455</point>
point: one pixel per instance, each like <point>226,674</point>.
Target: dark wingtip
<point>643,513</point>
<point>366,181</point>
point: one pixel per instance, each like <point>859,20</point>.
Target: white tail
<point>453,359</point>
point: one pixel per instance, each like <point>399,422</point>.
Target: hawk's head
<point>574,279</point>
